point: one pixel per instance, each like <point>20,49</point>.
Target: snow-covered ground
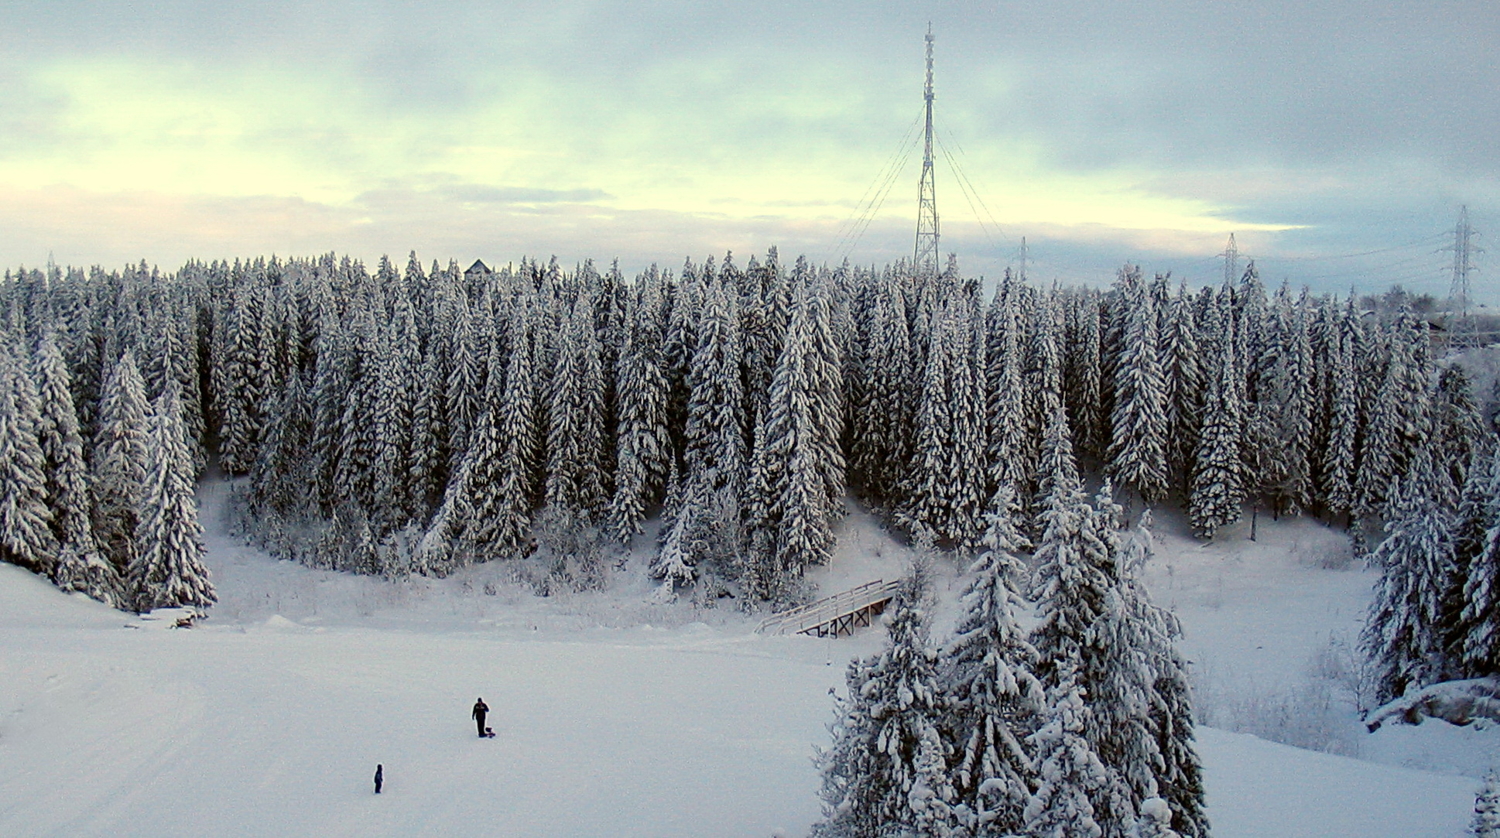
<point>620,716</point>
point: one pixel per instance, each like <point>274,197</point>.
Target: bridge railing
<point>829,608</point>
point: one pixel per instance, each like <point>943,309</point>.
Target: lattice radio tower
<point>1231,256</point>
<point>1459,294</point>
<point>925,261</point>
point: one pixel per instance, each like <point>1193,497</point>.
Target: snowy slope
<point>270,717</point>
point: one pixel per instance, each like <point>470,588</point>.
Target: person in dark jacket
<point>480,709</point>
<point>379,776</point>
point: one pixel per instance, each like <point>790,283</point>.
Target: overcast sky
<point>1101,132</point>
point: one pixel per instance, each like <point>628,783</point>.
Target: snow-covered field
<point>618,716</point>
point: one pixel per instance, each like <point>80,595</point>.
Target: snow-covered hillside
<point>621,717</point>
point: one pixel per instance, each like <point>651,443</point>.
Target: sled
<point>489,733</point>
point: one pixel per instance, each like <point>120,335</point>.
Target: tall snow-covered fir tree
<point>1338,471</point>
<point>1218,489</point>
<point>643,448</point>
<point>945,487</point>
<point>882,439</point>
<point>1183,378</point>
<point>1476,634</point>
<point>167,569</point>
<point>1070,774</point>
<point>1137,451</point>
<point>1457,429</point>
<point>576,481</point>
<point>26,535</point>
<point>716,427</point>
<point>486,511</point>
<point>1400,415</point>
<point>81,566</point>
<point>1007,403</point>
<point>1084,385</point>
<point>790,506</point>
<point>1280,426</point>
<point>282,475</point>
<point>1072,585</point>
<point>392,417</point>
<point>1147,634</point>
<point>887,772</point>
<point>1403,634</point>
<point>120,461</point>
<point>994,698</point>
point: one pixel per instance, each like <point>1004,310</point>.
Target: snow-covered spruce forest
<point>418,421</point>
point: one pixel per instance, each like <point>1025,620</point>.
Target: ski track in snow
<point>270,717</point>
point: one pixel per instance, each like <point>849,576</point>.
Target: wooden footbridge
<point>836,615</point>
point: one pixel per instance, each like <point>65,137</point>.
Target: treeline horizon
<point>418,420</point>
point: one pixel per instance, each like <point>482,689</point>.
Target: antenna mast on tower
<point>925,262</point>
<point>1231,256</point>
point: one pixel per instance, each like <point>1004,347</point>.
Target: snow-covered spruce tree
<point>171,356</point>
<point>882,439</point>
<point>465,386</point>
<point>715,459</point>
<point>427,467</point>
<point>1069,772</point>
<point>1486,823</point>
<point>1083,365</point>
<point>1218,491</point>
<point>1402,635</point>
<point>1478,510</point>
<point>167,570</point>
<point>1044,384</point>
<point>1280,426</point>
<point>1457,432</point>
<point>1072,582</point>
<point>1476,634</point>
<point>80,565</point>
<point>966,456</point>
<point>789,502</point>
<point>330,383</point>
<point>824,366</point>
<point>994,698</point>
<point>281,477</point>
<point>1151,632</point>
<point>1400,420</point>
<point>392,416</point>
<point>901,786</point>
<point>1119,668</point>
<point>357,445</point>
<point>1183,377</point>
<point>642,447</point>
<point>244,366</point>
<point>716,427</point>
<point>1137,451</point>
<point>575,481</point>
<point>120,461</point>
<point>674,564</point>
<point>947,474</point>
<point>26,536</point>
<point>1338,472</point>
<point>1007,408</point>
<point>486,512</point>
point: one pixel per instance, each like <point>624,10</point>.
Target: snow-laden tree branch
<point>1456,702</point>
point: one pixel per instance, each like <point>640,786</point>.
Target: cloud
<point>1150,128</point>
<point>474,193</point>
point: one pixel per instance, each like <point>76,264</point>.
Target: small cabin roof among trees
<point>479,267</point>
